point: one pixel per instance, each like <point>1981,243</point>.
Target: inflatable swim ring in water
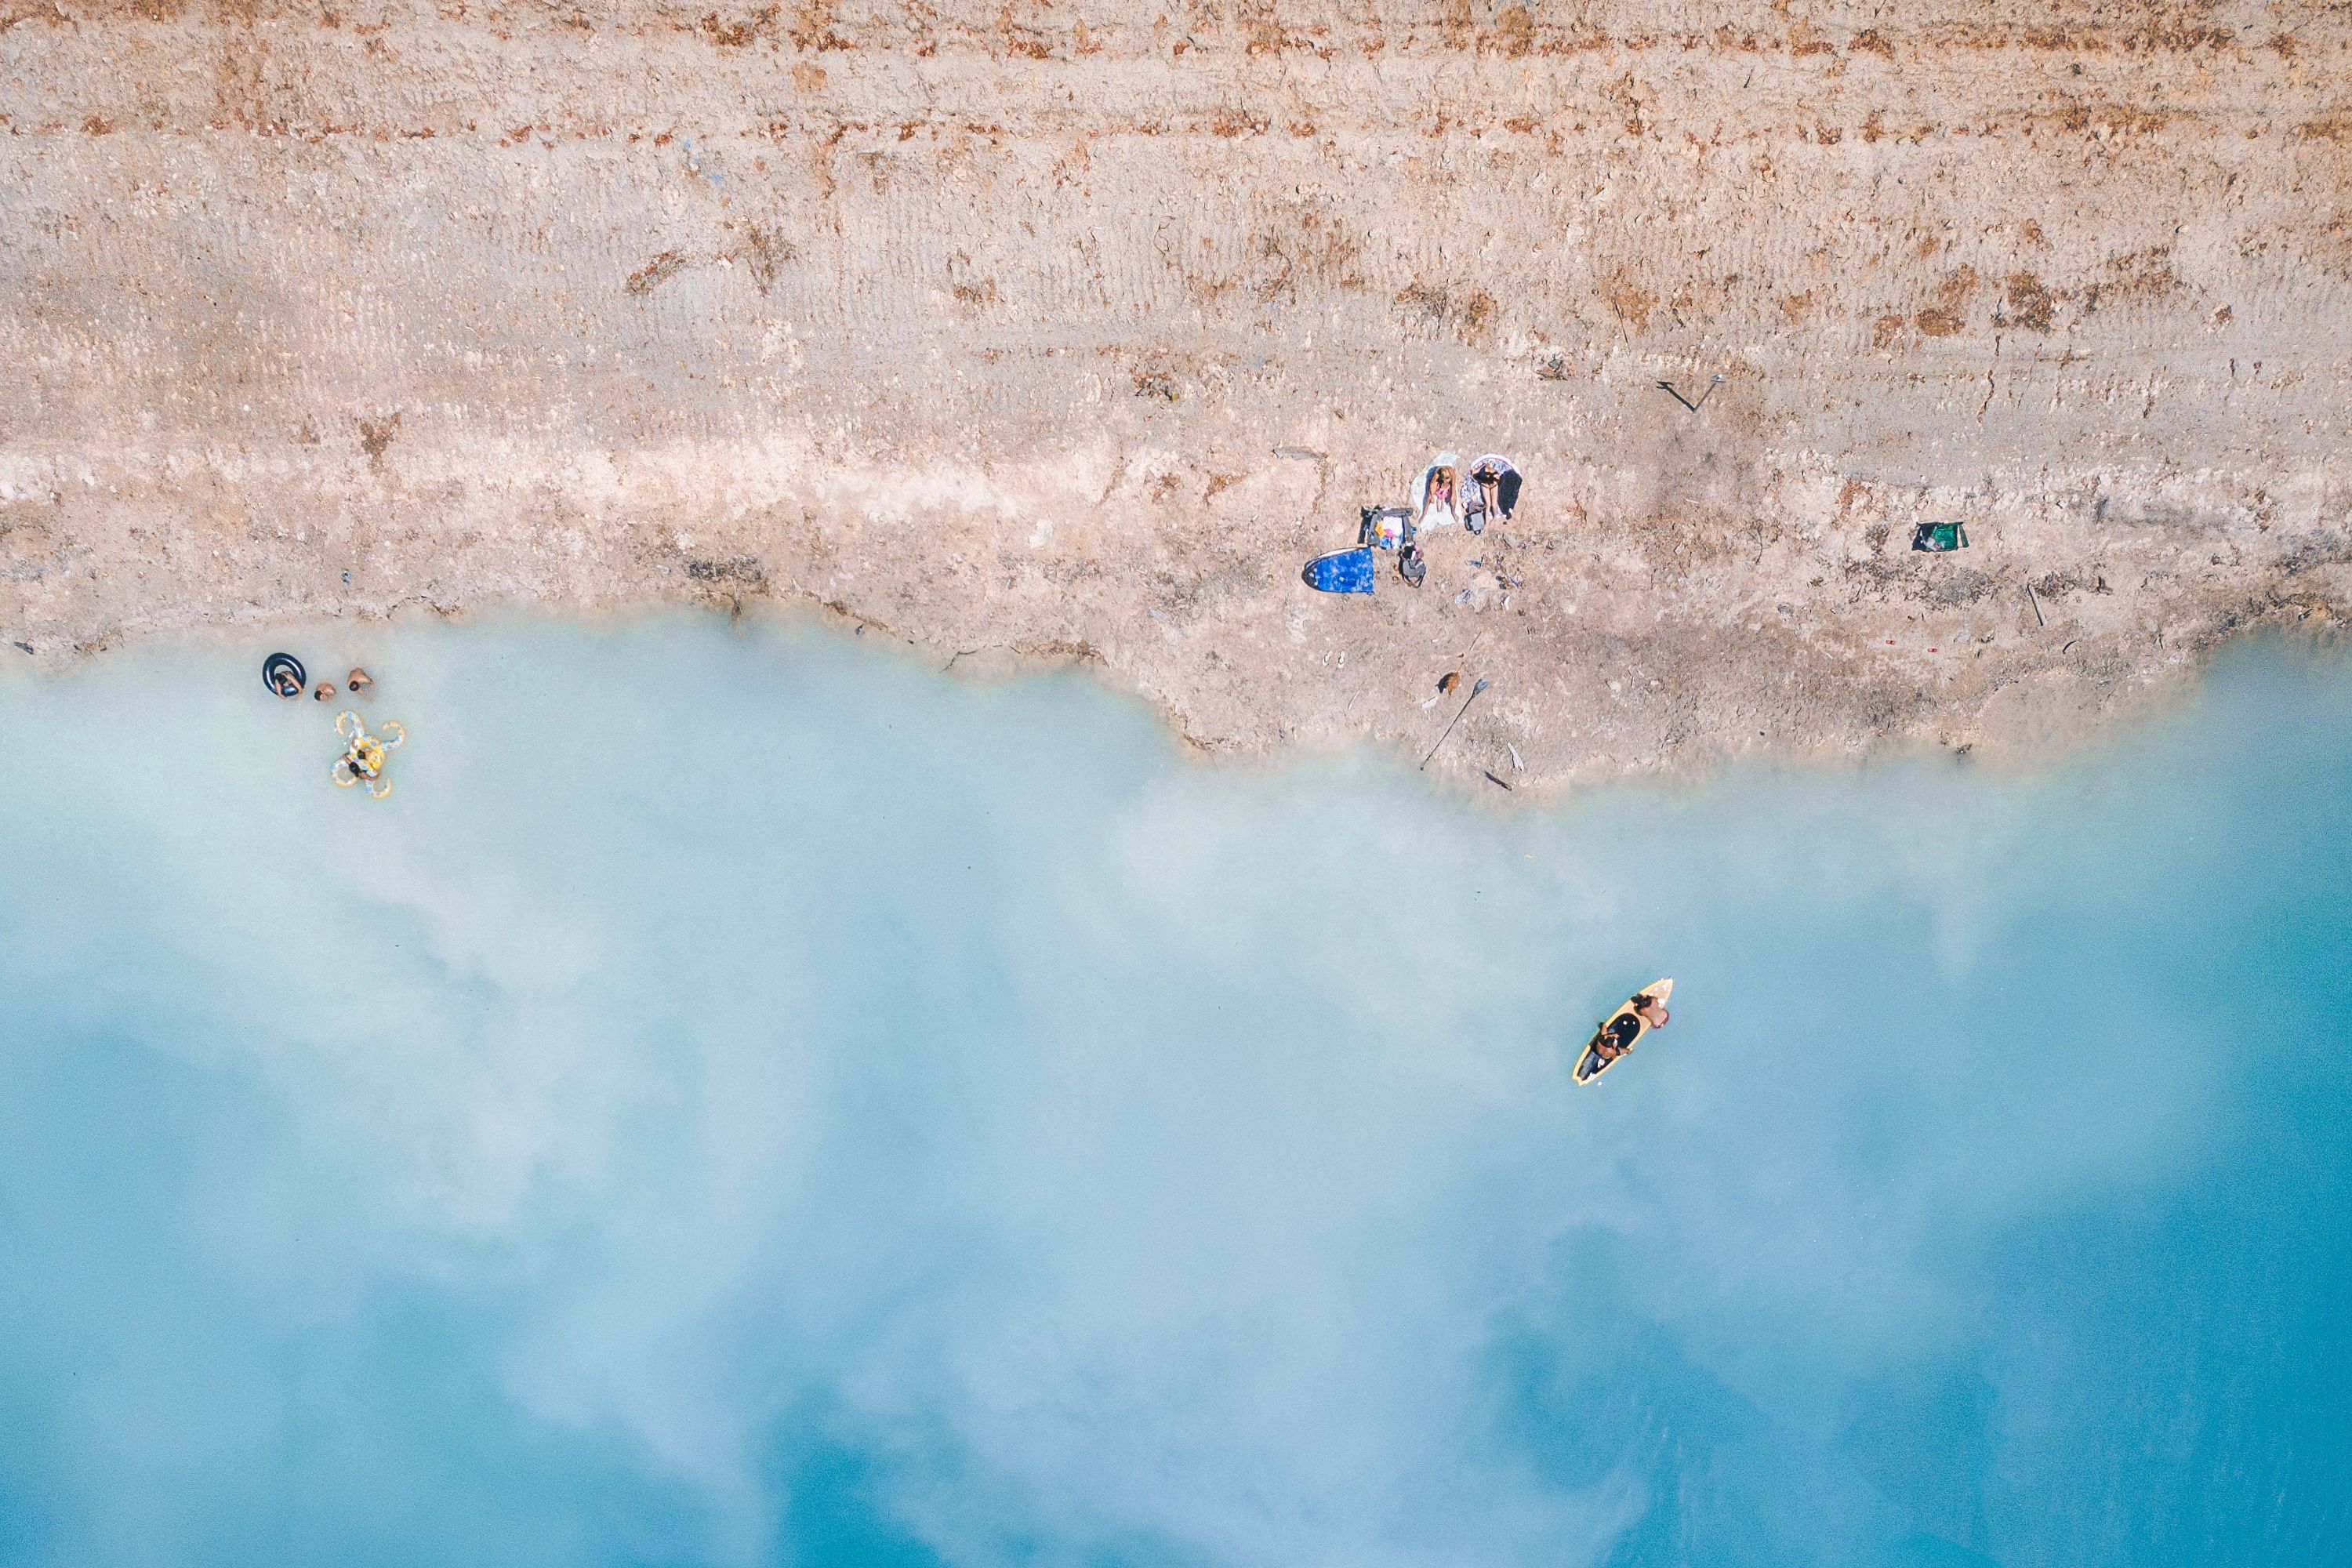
<point>283,674</point>
<point>364,754</point>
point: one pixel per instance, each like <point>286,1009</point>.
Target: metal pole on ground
<point>1457,718</point>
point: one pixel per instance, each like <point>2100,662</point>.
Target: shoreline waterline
<point>741,1100</point>
<point>2054,731</point>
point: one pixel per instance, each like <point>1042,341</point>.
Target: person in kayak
<point>1615,1038</point>
<point>1617,1035</point>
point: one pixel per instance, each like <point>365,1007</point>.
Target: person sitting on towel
<point>1439,501</point>
<point>1652,1011</point>
<point>1493,492</point>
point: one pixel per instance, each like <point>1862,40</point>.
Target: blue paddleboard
<point>1341,571</point>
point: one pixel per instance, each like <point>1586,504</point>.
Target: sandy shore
<point>1074,331</point>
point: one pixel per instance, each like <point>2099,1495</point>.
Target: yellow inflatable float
<point>363,757</point>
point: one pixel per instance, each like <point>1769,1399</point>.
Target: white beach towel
<point>1474,499</point>
<point>1441,515</point>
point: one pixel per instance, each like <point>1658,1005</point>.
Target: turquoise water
<point>747,1099</point>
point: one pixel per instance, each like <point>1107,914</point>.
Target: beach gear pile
<point>1444,495</point>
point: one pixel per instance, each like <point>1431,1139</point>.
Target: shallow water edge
<point>2040,726</point>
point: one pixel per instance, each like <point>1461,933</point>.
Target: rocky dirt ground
<point>1072,331</point>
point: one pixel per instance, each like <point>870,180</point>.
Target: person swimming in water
<point>283,674</point>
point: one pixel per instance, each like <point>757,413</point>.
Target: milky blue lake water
<point>745,1098</point>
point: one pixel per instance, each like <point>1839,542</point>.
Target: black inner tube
<point>278,664</point>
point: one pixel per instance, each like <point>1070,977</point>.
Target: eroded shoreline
<point>1075,340</point>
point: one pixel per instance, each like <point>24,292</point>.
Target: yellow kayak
<point>1589,1065</point>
